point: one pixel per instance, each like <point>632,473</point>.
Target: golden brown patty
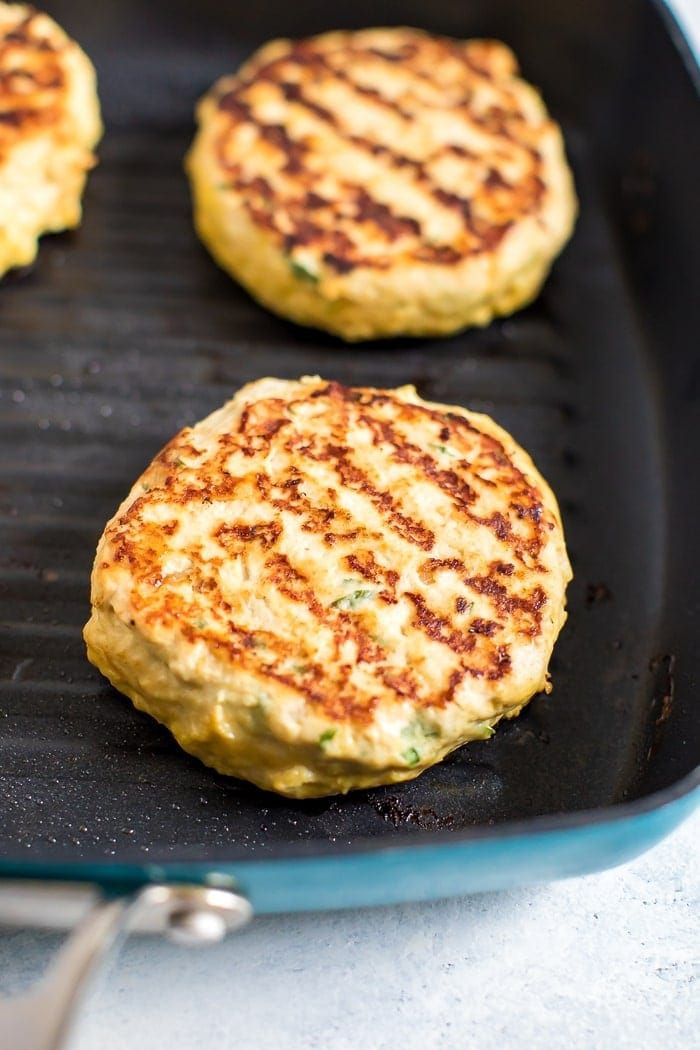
<point>49,124</point>
<point>320,587</point>
<point>382,182</point>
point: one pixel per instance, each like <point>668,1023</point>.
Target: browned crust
<point>512,586</point>
<point>32,80</point>
<point>299,215</point>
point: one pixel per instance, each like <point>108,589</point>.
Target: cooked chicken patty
<point>382,182</point>
<point>320,588</point>
<point>49,124</point>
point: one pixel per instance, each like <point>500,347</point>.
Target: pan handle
<point>41,1019</point>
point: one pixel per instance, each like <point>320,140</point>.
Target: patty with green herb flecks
<point>382,182</point>
<point>321,588</point>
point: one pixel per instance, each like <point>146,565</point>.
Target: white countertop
<point>611,960</point>
<point>688,14</point>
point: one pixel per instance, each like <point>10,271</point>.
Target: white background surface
<point>611,960</point>
<point>688,14</point>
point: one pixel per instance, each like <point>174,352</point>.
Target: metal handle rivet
<point>194,926</point>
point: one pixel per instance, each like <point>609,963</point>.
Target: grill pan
<point>125,331</point>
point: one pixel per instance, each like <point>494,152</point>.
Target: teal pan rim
<point>423,867</point>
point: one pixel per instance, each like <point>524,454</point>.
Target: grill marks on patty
<point>319,489</point>
<point>32,80</point>
<point>432,78</point>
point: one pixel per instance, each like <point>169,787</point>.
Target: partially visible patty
<point>49,124</point>
<point>321,587</point>
<point>370,159</point>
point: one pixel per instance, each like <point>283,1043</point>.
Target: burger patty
<point>358,161</point>
<point>49,124</point>
<point>321,587</point>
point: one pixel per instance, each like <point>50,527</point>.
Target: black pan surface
<point>125,331</point>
